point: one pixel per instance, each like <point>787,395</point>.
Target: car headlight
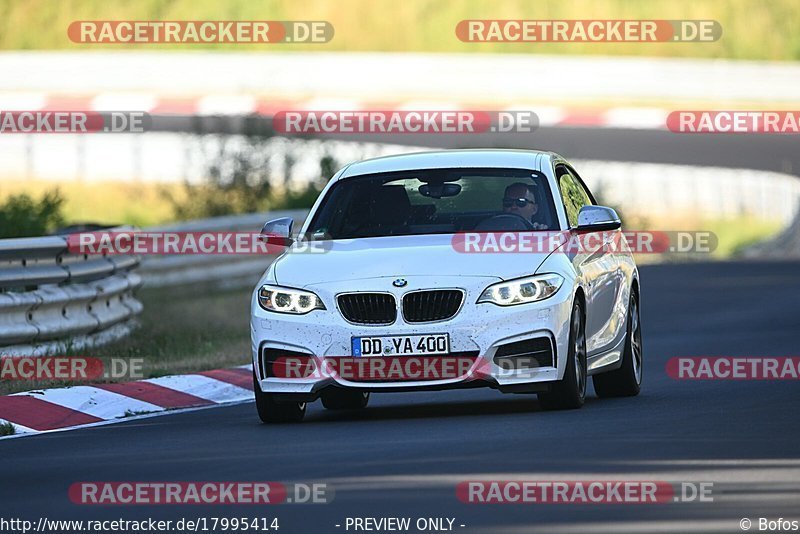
<point>522,290</point>
<point>287,300</point>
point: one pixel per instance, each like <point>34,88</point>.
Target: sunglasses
<point>518,202</point>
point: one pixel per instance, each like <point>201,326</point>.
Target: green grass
<point>732,237</point>
<point>7,429</point>
<point>735,236</point>
<point>103,202</point>
<point>752,29</point>
<point>183,329</point>
<point>190,328</point>
<point>148,204</point>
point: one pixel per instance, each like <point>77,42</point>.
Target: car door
<point>599,268</point>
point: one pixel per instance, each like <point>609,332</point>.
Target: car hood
<point>373,257</point>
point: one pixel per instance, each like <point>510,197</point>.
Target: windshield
<point>435,201</point>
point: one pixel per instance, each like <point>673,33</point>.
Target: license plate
<point>427,344</point>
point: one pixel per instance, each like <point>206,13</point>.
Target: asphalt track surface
<point>773,152</point>
<point>748,151</point>
<point>404,455</point>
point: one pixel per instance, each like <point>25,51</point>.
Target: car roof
<point>444,159</point>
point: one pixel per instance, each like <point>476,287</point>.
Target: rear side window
<point>572,193</point>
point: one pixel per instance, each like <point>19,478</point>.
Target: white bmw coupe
<point>447,269</point>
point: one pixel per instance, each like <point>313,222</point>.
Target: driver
<point>520,199</point>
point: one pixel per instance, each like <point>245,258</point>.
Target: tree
<point>22,216</point>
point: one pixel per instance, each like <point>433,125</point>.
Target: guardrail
<point>784,246</point>
<point>224,270</point>
<point>52,300</point>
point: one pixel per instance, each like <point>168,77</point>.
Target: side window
<point>572,193</point>
<point>588,197</point>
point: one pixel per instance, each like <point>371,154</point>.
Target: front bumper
<point>476,328</point>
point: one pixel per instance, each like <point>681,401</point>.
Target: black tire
<point>271,411</point>
<point>344,399</point>
<point>569,393</point>
<point>627,380</point>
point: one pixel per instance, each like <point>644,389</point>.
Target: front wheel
<point>627,380</point>
<point>271,411</point>
<point>570,392</point>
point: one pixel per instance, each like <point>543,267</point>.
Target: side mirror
<point>278,232</point>
<point>598,219</point>
<point>439,190</point>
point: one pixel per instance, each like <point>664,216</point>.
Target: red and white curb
<point>48,410</point>
<point>238,105</point>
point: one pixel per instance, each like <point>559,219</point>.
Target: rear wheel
<point>344,399</point>
<point>627,380</point>
<point>570,392</point>
<point>272,411</point>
